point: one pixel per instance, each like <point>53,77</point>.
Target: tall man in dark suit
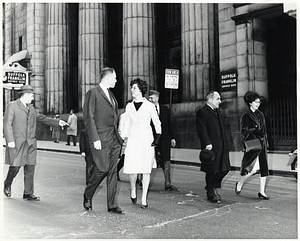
<point>167,138</point>
<point>100,118</point>
<point>19,126</point>
<point>211,131</point>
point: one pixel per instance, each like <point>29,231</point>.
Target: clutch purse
<point>253,145</point>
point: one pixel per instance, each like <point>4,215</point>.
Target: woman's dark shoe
<point>144,206</point>
<point>133,200</point>
<point>262,196</point>
<point>236,191</point>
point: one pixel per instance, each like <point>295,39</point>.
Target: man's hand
<point>63,123</point>
<point>173,142</point>
<point>83,154</point>
<point>97,145</point>
<point>11,144</point>
<point>209,147</point>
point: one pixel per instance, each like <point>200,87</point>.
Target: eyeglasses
<point>257,101</point>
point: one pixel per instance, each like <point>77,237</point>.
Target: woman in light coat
<point>139,152</point>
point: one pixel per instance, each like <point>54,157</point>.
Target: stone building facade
<point>252,46</point>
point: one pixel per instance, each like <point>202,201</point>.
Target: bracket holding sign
<point>171,82</point>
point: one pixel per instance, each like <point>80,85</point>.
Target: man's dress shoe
<point>116,210</point>
<point>171,188</point>
<point>31,197</point>
<point>7,191</point>
<point>213,198</point>
<point>87,203</point>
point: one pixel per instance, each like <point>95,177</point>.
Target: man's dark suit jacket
<point>211,130</point>
<point>100,117</point>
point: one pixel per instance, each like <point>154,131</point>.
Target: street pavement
<point>186,214</point>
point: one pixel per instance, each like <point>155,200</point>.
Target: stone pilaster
<point>57,57</point>
<point>198,49</point>
<point>92,46</point>
<point>8,40</point>
<point>139,44</point>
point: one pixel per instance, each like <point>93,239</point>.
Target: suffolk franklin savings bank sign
<point>229,81</point>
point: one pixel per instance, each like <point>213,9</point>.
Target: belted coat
<point>211,130</point>
<point>19,126</point>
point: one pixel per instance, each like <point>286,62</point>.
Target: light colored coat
<point>20,127</point>
<point>72,129</point>
<point>139,154</point>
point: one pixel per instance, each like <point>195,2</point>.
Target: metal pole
<point>170,104</point>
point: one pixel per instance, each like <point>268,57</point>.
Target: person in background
<point>210,127</point>
<point>120,129</point>
<point>139,152</point>
<point>19,126</point>
<point>167,139</point>
<point>253,125</point>
<point>100,115</point>
<point>85,151</point>
<point>55,131</point>
<point>72,128</point>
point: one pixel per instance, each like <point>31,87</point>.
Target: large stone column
<point>36,35</point>
<point>57,57</point>
<point>139,44</point>
<point>92,46</point>
<point>198,49</point>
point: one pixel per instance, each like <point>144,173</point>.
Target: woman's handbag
<point>253,145</point>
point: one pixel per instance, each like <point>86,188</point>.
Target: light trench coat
<point>139,154</point>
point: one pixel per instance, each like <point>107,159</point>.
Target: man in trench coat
<point>100,115</point>
<point>167,138</point>
<point>211,131</point>
<point>21,145</point>
<point>72,128</point>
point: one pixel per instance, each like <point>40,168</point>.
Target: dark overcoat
<point>211,130</point>
<point>164,145</point>
<point>100,116</point>
<point>250,122</point>
<point>19,126</point>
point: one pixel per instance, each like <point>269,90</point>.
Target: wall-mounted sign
<point>229,80</point>
<point>171,78</point>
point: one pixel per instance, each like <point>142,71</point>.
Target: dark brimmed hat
<point>153,92</point>
<point>207,157</point>
<point>26,89</point>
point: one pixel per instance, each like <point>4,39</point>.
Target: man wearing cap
<point>211,131</point>
<point>19,126</point>
<point>167,138</point>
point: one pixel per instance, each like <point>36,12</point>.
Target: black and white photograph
<point>149,120</point>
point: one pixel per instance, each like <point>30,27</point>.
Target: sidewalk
<point>277,161</point>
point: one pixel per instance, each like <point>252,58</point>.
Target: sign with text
<point>14,77</point>
<point>229,81</point>
<point>171,78</point>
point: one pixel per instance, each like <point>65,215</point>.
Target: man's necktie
<point>156,109</point>
<point>216,112</point>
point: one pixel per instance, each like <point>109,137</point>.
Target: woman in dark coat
<point>253,126</point>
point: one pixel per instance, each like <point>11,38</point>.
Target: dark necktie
<point>216,112</point>
<point>111,99</point>
<point>156,109</point>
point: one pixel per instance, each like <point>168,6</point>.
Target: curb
<point>187,163</point>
